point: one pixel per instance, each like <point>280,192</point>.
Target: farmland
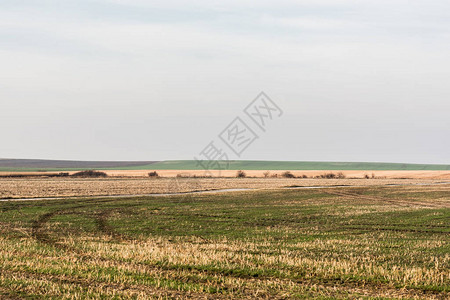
<point>342,242</point>
<point>293,165</point>
<point>74,187</point>
<point>30,165</point>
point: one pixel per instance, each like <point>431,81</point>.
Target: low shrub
<point>90,174</point>
<point>340,175</point>
<point>331,175</point>
<point>184,175</point>
<point>288,174</point>
<point>153,174</point>
<point>241,174</point>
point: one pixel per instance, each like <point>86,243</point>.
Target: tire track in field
<point>41,234</point>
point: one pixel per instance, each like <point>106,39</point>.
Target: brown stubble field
<point>13,188</point>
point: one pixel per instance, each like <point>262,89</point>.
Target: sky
<point>160,80</point>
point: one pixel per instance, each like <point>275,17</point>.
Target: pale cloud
<point>161,69</point>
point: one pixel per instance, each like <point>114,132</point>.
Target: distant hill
<point>23,165</point>
<point>50,165</point>
<point>295,165</point>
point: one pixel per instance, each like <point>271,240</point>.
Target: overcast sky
<point>156,80</point>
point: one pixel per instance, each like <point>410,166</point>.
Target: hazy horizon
<point>142,80</point>
<point>309,161</point>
